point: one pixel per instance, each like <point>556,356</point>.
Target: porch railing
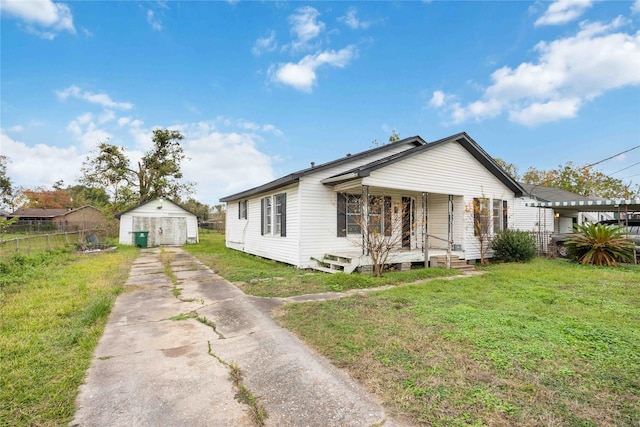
<point>426,249</point>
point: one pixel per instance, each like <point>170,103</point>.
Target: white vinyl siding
<point>447,169</point>
<point>312,207</point>
<point>245,235</point>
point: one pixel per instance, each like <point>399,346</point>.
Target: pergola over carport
<point>619,206</point>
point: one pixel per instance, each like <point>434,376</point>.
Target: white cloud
<point>224,154</point>
<point>351,20</point>
<point>563,11</point>
<point>16,128</point>
<point>85,130</point>
<point>438,99</point>
<point>265,44</point>
<point>95,98</point>
<point>153,20</point>
<point>551,111</point>
<point>40,165</point>
<point>302,75</point>
<point>567,73</point>
<point>41,17</point>
<point>305,26</point>
<point>635,7</point>
<point>219,164</point>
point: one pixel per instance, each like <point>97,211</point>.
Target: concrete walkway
<point>165,360</point>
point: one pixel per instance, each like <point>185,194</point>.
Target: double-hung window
<point>499,215</point>
<point>481,216</point>
<point>266,215</point>
<point>350,220</point>
<point>274,215</point>
<point>375,214</point>
<point>354,214</point>
<point>242,209</point>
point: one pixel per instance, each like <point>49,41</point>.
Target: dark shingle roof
<point>39,213</point>
<point>294,177</point>
<point>550,194</point>
<point>362,171</point>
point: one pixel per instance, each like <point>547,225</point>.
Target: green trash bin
<point>140,238</point>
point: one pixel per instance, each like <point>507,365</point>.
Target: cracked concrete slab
<point>149,370</point>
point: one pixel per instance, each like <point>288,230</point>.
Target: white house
<point>426,192</point>
<point>167,222</point>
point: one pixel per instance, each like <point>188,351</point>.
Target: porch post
<point>364,219</point>
<point>425,229</point>
<point>449,229</point>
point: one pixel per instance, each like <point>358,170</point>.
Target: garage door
<point>162,231</point>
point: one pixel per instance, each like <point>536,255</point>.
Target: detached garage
<point>166,222</point>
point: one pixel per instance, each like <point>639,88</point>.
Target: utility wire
<point>609,158</point>
<point>628,167</point>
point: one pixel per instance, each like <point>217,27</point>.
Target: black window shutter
<point>342,215</point>
<point>283,216</point>
<point>262,216</point>
<point>387,215</point>
<point>505,215</point>
<point>240,209</point>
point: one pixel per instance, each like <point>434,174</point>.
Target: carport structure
<point>623,209</point>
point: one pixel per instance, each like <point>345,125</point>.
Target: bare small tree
<point>382,231</point>
<point>480,211</point>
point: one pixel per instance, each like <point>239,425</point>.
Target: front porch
<point>415,225</point>
<point>350,261</point>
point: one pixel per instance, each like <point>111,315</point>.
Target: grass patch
<point>53,308</point>
<point>266,278</point>
<point>542,343</point>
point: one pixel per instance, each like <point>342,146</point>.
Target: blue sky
<point>261,89</point>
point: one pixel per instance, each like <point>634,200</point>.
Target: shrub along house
<point>421,192</point>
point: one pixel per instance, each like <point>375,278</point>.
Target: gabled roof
<point>419,146</point>
<point>118,215</point>
<point>414,141</point>
<point>550,194</point>
<point>462,138</point>
<point>39,213</point>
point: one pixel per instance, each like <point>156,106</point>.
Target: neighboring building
<point>4,214</point>
<point>167,222</point>
<point>427,190</point>
<point>82,218</point>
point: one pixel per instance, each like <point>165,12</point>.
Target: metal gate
<point>162,230</point>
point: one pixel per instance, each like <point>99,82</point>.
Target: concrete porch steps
<point>456,263</point>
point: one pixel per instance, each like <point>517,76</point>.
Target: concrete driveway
<point>166,361</point>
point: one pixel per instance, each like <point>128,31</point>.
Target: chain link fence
<point>32,244</point>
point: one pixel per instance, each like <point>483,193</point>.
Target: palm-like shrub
<point>600,244</point>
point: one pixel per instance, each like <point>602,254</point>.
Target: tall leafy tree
<point>45,198</point>
<point>81,195</point>
<point>157,173</point>
<point>582,180</point>
<point>200,209</point>
<point>509,168</point>
<point>6,186</point>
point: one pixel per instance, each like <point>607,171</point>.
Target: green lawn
<point>262,277</point>
<point>540,344</point>
<point>53,308</point>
